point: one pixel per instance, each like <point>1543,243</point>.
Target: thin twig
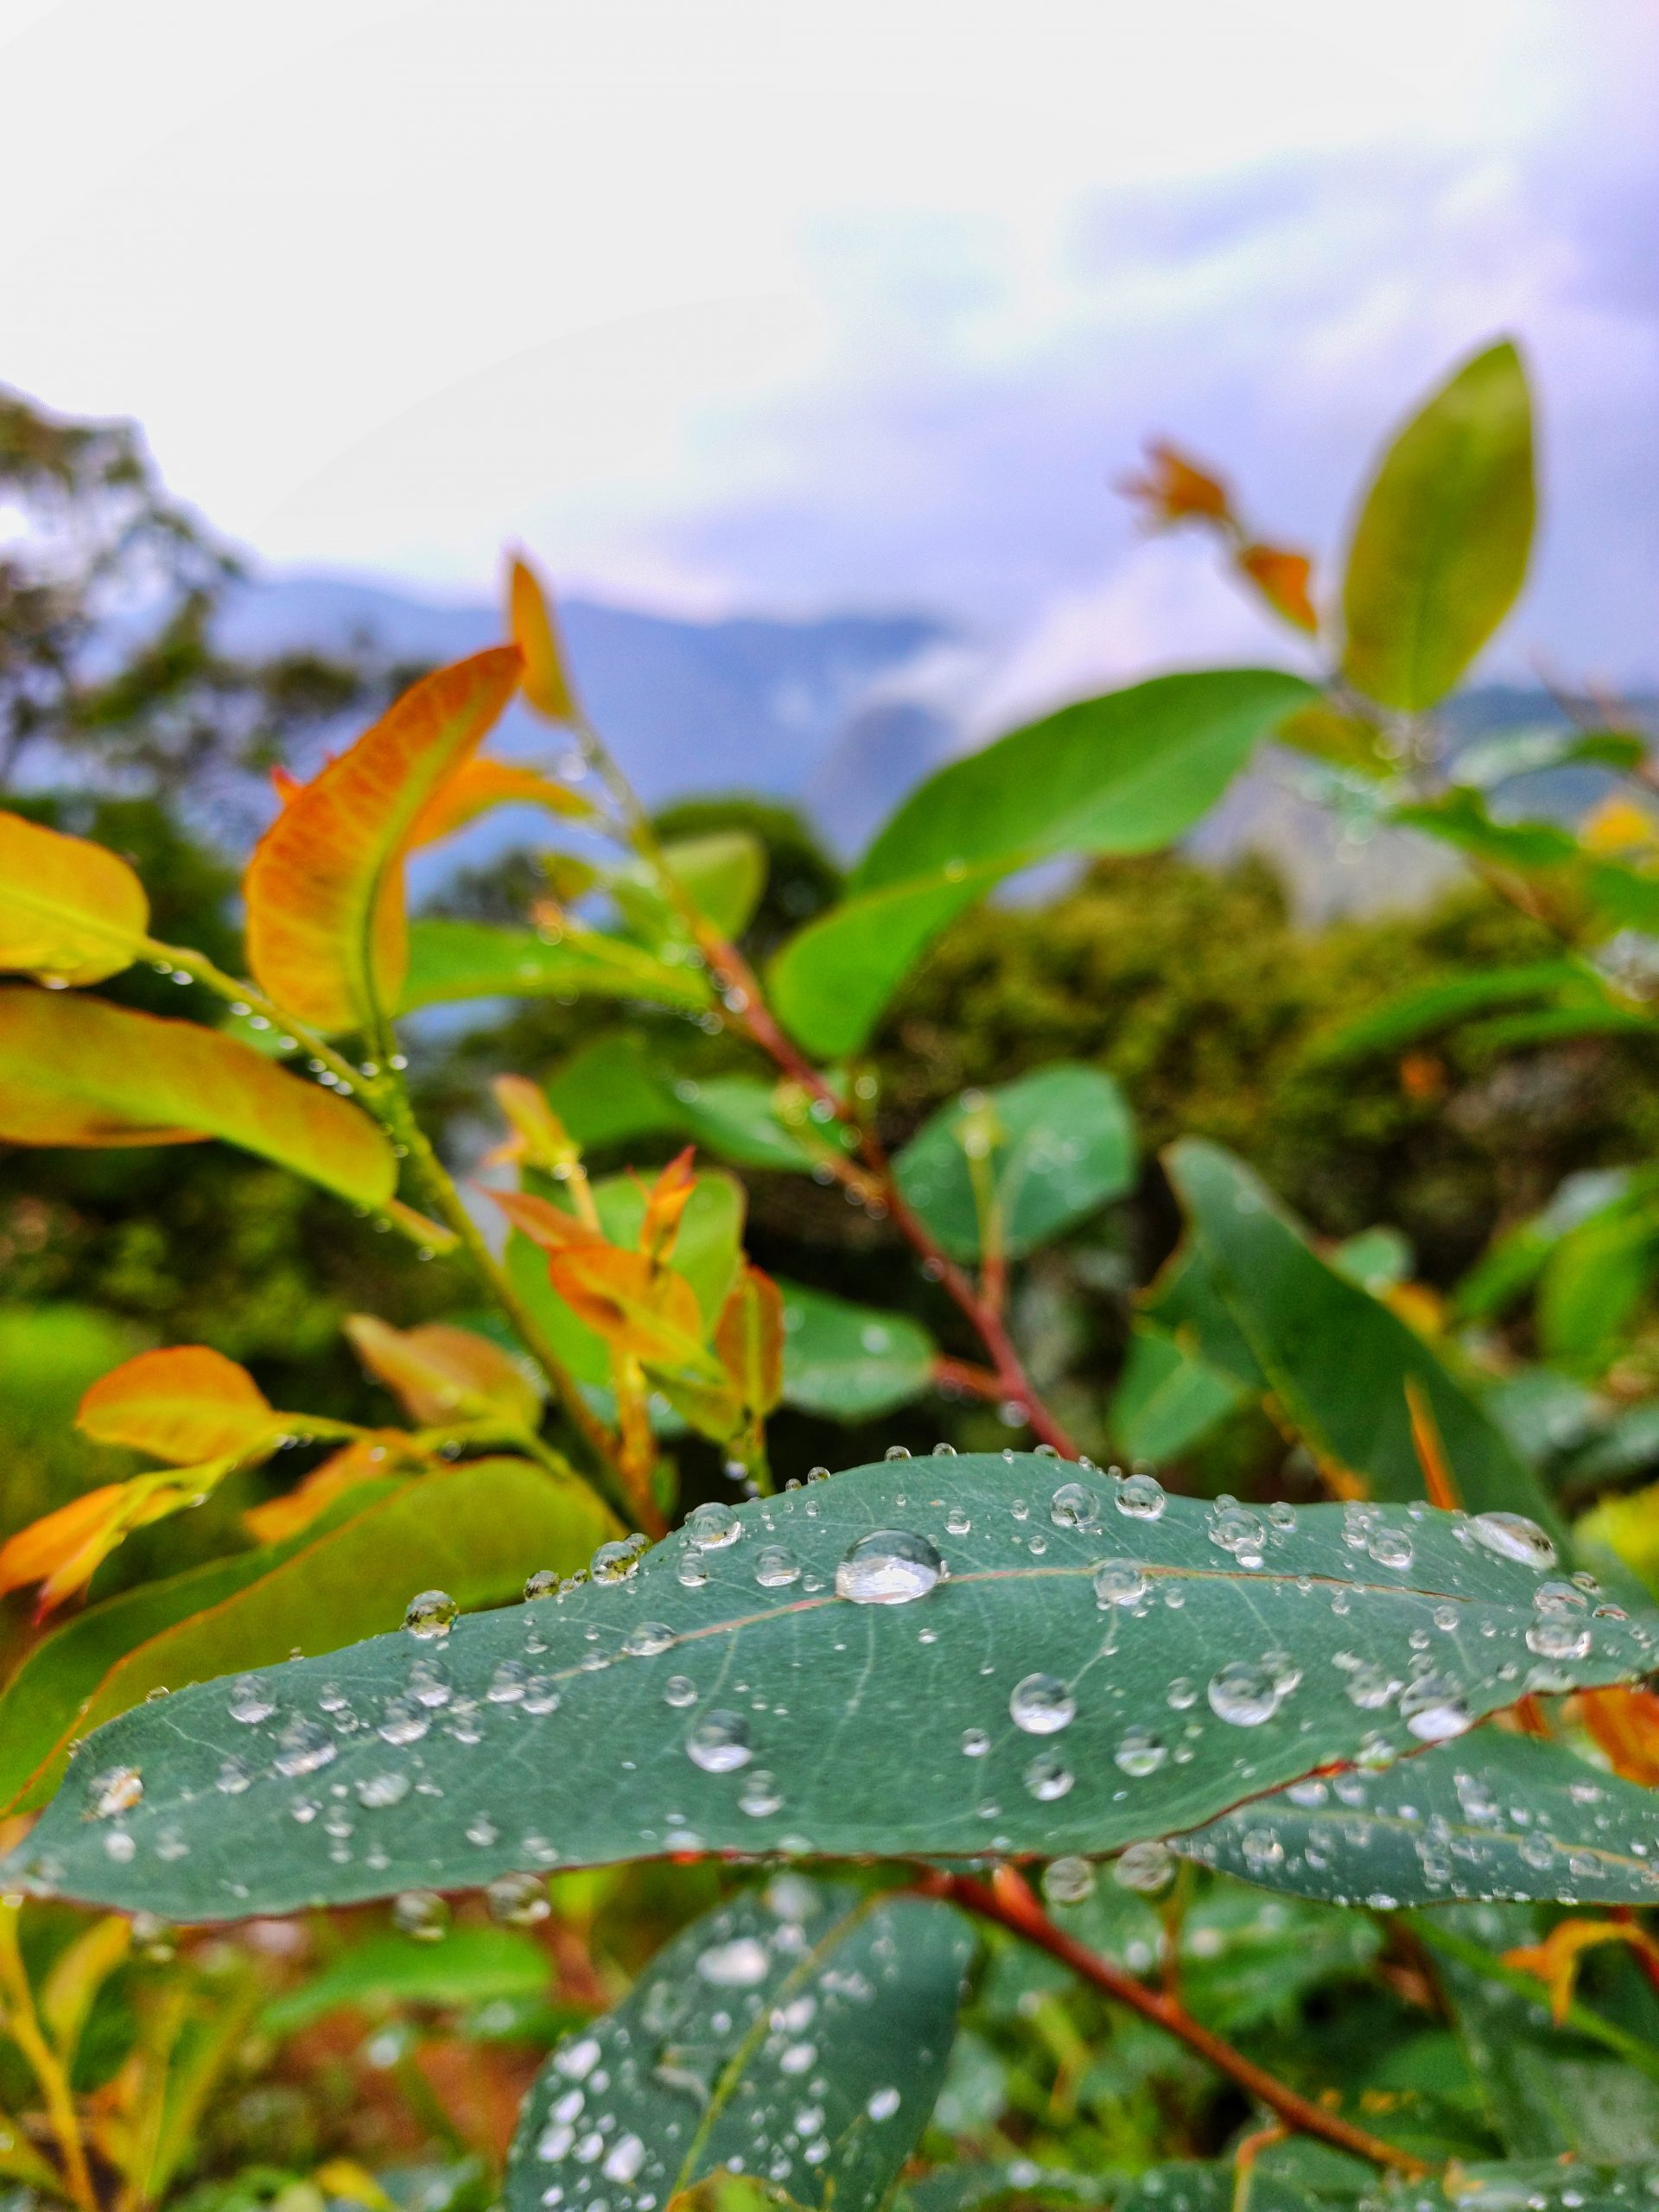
<point>1007,1899</point>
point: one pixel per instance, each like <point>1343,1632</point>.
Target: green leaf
<point>725,874</point>
<point>848,1737</point>
<point>1516,1260</point>
<point>451,960</point>
<point>1378,1260</point>
<point>1593,1282</point>
<point>831,981</point>
<point>706,1252</point>
<point>1441,545</point>
<point>1437,1005</point>
<point>78,1070</point>
<point>1027,1160</point>
<point>1167,1397</point>
<point>850,1363</point>
<point>1124,773</point>
<point>470,1528</point>
<point>1544,2185</point>
<point>1493,760</point>
<point>1336,1361</point>
<point>800,2034</point>
<point>471,1966</point>
<point>1492,1815</point>
<point>615,1091</point>
<point>1246,1959</point>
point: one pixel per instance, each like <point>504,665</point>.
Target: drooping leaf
<point>1338,1360</point>
<point>471,1966</point>
<point>327,930</point>
<point>725,874</point>
<point>183,1403</point>
<point>1440,548</point>
<point>1167,1397</point>
<point>1123,773</point>
<point>476,1530</point>
<point>1030,1158</point>
<point>70,911</point>
<point>480,786</point>
<point>450,961</point>
<point>83,1071</point>
<point>869,1739</point>
<point>1493,1815</point>
<point>803,1999</point>
<point>851,1363</point>
<point>1283,578</point>
<point>440,1373</point>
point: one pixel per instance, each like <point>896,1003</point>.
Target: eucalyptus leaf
<point>1491,1816</point>
<point>454,960</point>
<point>724,874</point>
<point>616,1090</point>
<point>1336,1360</point>
<point>798,2035</point>
<point>471,1966</point>
<point>1018,1165</point>
<point>850,1363</point>
<point>1167,1397</point>
<point>939,1657</point>
<point>1440,548</point>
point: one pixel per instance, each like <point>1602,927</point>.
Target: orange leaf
<point>327,934</point>
<point>63,1550</point>
<point>1439,1482</point>
<point>547,685</point>
<point>69,911</point>
<point>749,1340</point>
<point>362,1460</point>
<point>648,1313</point>
<point>183,1404</point>
<point>1282,580</point>
<point>545,1224</point>
<point>1555,1961</point>
<point>1625,1724</point>
<point>1175,489</point>
<point>539,1138</point>
<point>83,1071</point>
<point>664,1204</point>
<point>481,784</point>
<point>440,1373</point>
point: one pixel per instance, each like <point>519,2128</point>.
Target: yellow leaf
<point>63,1550</point>
<point>481,784</point>
<point>442,1374</point>
<point>749,1340</point>
<point>184,1404</point>
<point>70,911</point>
<point>328,934</point>
<point>83,1071</point>
<point>1619,829</point>
<point>362,1460</point>
<point>547,686</point>
<point>665,1202</point>
<point>539,1138</point>
<point>78,1973</point>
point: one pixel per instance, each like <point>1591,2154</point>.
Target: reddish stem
<point>1007,1900</point>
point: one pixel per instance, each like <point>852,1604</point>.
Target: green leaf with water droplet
<point>798,2034</point>
<point>1335,1359</point>
<point>939,1656</point>
<point>1493,1815</point>
<point>1010,1168</point>
<point>454,960</point>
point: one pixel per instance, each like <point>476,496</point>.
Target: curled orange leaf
<point>1625,1724</point>
<point>63,1550</point>
<point>441,1374</point>
<point>643,1312</point>
<point>70,911</point>
<point>665,1202</point>
<point>362,1460</point>
<point>1283,578</point>
<point>1556,1960</point>
<point>1175,489</point>
<point>328,933</point>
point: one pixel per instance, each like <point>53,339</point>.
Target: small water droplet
<point>542,1584</point>
<point>421,1914</point>
<point>1140,1495</point>
<point>1511,1535</point>
<point>1119,1582</point>
<point>1434,1709</point>
<point>1068,1881</point>
<point>1047,1776</point>
<point>1145,1868</point>
<point>1041,1704</point>
<point>775,1569</point>
<point>431,1614</point>
<point>1140,1752</point>
<point>116,1790</point>
<point>718,1743</point>
<point>250,1700</point>
<point>614,1562</point>
<point>679,1690</point>
<point>301,1747</point>
<point>647,1638</point>
<point>1244,1694</point>
<point>974,1743</point>
<point>518,1900</point>
<point>1072,1506</point>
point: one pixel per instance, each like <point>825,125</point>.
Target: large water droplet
<point>432,1613</point>
<point>890,1566</point>
<point>518,1900</point>
<point>881,2104</point>
<point>1390,1547</point>
<point>250,1700</point>
<point>1048,1777</point>
<point>301,1747</point>
<point>542,1584</point>
<point>1074,1507</point>
<point>1140,1495</point>
<point>1244,1694</point>
<point>422,1914</point>
<point>718,1743</point>
<point>116,1790</point>
<point>1041,1704</point>
<point>1140,1752</point>
<point>1120,1582</point>
<point>615,1562</point>
<point>1432,1707</point>
<point>1068,1881</point>
<point>1146,1868</point>
<point>712,1527</point>
<point>740,1964</point>
<point>1511,1535</point>
<point>1558,1636</point>
<point>679,1690</point>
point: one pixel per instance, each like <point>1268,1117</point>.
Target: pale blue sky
<point>772,305</point>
